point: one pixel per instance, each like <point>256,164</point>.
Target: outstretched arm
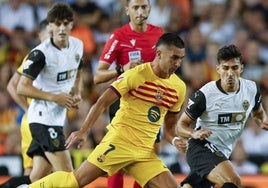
<point>12,90</point>
<point>104,101</point>
<point>170,132</point>
<point>186,131</point>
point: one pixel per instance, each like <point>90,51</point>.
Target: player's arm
<point>170,135</point>
<point>258,112</point>
<point>104,74</point>
<point>76,91</point>
<point>31,69</point>
<point>195,107</point>
<point>12,90</point>
<point>103,102</point>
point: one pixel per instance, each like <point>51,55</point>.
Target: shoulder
<point>122,30</point>
<point>209,87</point>
<point>155,28</point>
<point>75,40</point>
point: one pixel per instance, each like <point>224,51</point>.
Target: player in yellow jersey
<point>26,137</point>
<point>151,96</point>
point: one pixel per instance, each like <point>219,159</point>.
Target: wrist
<point>119,69</point>
<point>174,139</point>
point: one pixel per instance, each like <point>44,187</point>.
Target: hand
<point>181,144</point>
<point>64,100</point>
<point>75,137</point>
<point>132,64</point>
<point>76,101</point>
<point>201,134</point>
<point>264,125</point>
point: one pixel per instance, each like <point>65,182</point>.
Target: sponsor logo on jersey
<point>231,118</point>
<point>154,114</point>
<point>66,75</point>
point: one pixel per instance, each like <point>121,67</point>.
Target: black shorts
<point>197,181</point>
<point>46,139</point>
<point>202,157</point>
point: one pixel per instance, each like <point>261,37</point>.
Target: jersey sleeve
<point>196,105</point>
<point>34,64</point>
<point>110,51</point>
<point>258,99</point>
<point>20,68</point>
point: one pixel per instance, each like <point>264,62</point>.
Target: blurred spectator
<point>160,13</point>
<point>108,6</point>
<point>15,49</point>
<point>254,140</point>
<point>82,31</point>
<point>240,160</point>
<point>218,28</point>
<point>253,66</point>
<point>14,13</point>
<point>89,12</point>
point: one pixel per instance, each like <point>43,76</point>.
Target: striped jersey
<point>145,100</point>
<point>225,114</point>
<point>53,70</point>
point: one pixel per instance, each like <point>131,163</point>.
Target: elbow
<point>20,90</point>
<point>96,80</point>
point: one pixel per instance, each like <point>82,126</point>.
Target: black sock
<point>229,185</point>
<point>16,181</point>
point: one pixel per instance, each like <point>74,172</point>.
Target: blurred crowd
<point>204,25</point>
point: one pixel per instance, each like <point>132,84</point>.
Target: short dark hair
<point>60,11</point>
<point>228,52</point>
<point>42,25</point>
<point>170,39</point>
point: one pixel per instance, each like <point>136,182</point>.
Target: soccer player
<point>52,78</point>
<point>26,137</point>
<point>151,95</point>
<point>128,46</point>
<point>220,110</point>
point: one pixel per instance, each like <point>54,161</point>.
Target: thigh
<point>60,160</point>
<point>41,168</point>
<point>165,179</point>
<point>224,172</point>
<point>26,139</point>
<point>202,157</point>
<point>146,169</point>
<point>111,157</point>
<point>87,172</point>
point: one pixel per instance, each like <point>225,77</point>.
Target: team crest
<point>77,57</point>
<point>159,95</point>
<point>245,104</point>
<point>56,142</point>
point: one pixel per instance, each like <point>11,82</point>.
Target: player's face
<point>60,32</point>
<point>138,11</point>
<point>230,72</point>
<point>170,58</point>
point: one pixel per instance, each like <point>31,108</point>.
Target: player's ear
<point>218,68</point>
<point>72,25</point>
<point>242,68</point>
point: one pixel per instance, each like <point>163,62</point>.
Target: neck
<point>158,72</point>
<point>138,27</point>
